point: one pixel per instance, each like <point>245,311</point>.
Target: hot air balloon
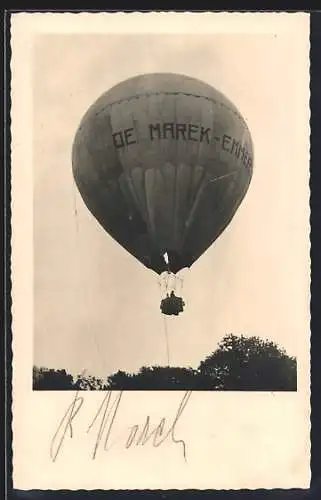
<point>163,161</point>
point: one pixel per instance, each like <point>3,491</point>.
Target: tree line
<point>238,364</point>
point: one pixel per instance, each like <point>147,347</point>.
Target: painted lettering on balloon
<point>155,131</point>
<point>168,131</point>
<point>235,148</point>
<point>230,145</point>
<point>124,138</point>
<point>179,131</point>
<point>226,142</point>
<point>192,132</point>
<point>186,132</point>
<point>204,134</point>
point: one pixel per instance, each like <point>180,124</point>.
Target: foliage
<point>89,383</point>
<point>238,364</point>
<point>250,363</point>
<point>155,377</point>
<point>45,379</point>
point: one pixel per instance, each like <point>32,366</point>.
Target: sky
<point>95,306</point>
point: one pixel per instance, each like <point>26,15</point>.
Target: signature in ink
<point>106,418</point>
<point>65,426</point>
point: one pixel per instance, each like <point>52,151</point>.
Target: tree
<point>119,381</point>
<point>89,383</point>
<point>156,377</point>
<point>249,363</point>
<point>239,364</point>
<point>45,379</point>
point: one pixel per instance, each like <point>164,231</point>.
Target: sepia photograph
<point>167,213</point>
<point>161,253</point>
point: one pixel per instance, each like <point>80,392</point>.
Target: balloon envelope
<point>163,161</point>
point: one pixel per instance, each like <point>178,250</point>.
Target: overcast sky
<point>96,307</point>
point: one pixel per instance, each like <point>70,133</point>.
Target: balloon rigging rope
<point>166,282</point>
<point>76,212</point>
<point>167,340</point>
<point>223,176</point>
<point>181,280</point>
<point>175,282</point>
<point>165,321</point>
<point>99,351</point>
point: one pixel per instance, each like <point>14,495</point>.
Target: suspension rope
<point>167,281</point>
<point>164,279</point>
<point>92,332</point>
<point>75,211</point>
<point>167,340</point>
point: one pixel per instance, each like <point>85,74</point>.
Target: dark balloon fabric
<point>163,161</point>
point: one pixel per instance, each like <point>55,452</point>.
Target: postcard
<point>160,250</point>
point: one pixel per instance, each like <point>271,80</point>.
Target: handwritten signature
<point>106,417</point>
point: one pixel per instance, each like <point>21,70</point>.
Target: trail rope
<point>91,331</point>
<point>167,341</point>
